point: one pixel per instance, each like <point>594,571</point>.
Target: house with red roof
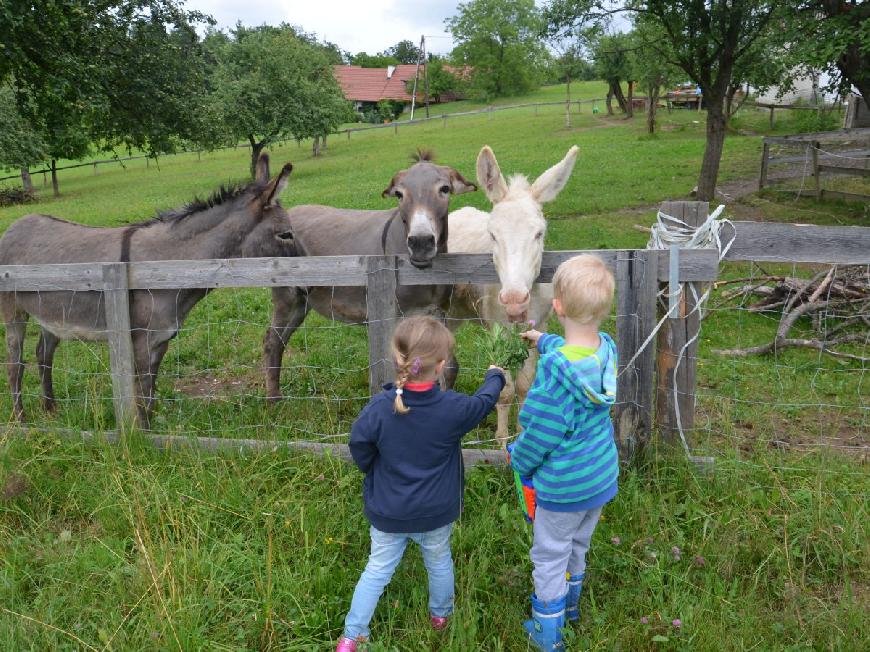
<point>371,85</point>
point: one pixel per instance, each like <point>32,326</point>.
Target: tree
<point>104,72</point>
<point>373,60</point>
<point>500,41</point>
<point>651,66</point>
<point>708,41</point>
<point>403,52</point>
<point>613,64</point>
<point>20,145</point>
<point>268,83</point>
<point>833,36</point>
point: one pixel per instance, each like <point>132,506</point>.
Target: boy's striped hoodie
<point>567,440</point>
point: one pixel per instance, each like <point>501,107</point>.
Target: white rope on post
<point>669,232</point>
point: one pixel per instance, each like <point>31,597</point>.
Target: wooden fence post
<point>636,287</point>
<point>382,309</point>
<point>816,180</point>
<point>673,347</point>
<point>116,298</point>
<point>765,157</point>
<point>771,117</point>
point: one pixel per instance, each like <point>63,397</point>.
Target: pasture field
<point>125,548</point>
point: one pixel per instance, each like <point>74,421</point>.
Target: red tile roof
<point>372,85</point>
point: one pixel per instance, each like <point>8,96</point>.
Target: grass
<point>130,549</point>
<point>126,548</point>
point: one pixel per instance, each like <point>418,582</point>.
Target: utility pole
<point>417,77</point>
<point>425,72</point>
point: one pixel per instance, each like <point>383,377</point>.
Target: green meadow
<point>126,548</point>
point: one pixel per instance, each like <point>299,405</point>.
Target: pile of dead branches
<point>835,301</point>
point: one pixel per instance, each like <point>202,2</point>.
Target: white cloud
<point>370,26</point>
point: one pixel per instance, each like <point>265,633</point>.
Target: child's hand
<point>532,336</point>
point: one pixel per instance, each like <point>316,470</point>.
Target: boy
<point>567,444</point>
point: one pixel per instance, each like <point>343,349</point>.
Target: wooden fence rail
<point>814,154</point>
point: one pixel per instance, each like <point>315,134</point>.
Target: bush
<point>13,196</point>
<point>810,121</point>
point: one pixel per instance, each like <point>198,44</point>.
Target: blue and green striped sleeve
<point>545,421</point>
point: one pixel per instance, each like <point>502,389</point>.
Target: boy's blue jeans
<point>387,551</point>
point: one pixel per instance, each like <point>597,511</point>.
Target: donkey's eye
<point>539,235</point>
<point>492,237</point>
<point>398,194</point>
<point>444,190</point>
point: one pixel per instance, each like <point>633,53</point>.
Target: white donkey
<point>513,232</point>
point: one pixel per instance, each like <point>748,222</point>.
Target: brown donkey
<point>418,227</point>
<point>236,221</point>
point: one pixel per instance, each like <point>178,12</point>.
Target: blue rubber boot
<point>572,599</point>
<point>545,626</point>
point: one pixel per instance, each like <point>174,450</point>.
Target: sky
<point>354,25</point>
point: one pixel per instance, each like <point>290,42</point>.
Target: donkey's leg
<point>450,373</point>
<point>45,349</point>
<point>503,409</point>
<point>525,378</point>
<point>147,356</point>
<point>16,325</point>
<point>289,308</point>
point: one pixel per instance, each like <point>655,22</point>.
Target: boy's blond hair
<point>584,286</point>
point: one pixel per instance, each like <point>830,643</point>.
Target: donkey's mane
<point>420,155</point>
<point>224,194</point>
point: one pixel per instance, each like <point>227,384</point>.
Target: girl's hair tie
<point>398,391</point>
<point>416,366</point>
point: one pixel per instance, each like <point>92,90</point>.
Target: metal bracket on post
<point>674,288</point>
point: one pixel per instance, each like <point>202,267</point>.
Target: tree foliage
<point>500,41</point>
<point>403,52</point>
<point>373,60</point>
<point>20,145</point>
<point>268,83</point>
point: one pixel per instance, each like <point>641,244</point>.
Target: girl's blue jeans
<point>387,551</point>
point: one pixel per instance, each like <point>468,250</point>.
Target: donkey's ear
<point>390,190</point>
<point>276,187</point>
<point>262,170</point>
<point>550,183</point>
<point>458,183</point>
<point>489,176</point>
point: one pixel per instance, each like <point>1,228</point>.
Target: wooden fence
<point>842,152</point>
<point>638,275</point>
<point>394,125</point>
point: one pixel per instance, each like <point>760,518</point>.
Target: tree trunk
<point>26,181</point>
<point>568,103</point>
<point>713,151</point>
<point>323,141</point>
<point>610,100</point>
<point>54,186</point>
<point>628,105</point>
<point>651,107</point>
<point>617,91</point>
<point>315,146</point>
<point>256,148</point>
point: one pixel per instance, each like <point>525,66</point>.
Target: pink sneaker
<point>438,622</point>
<point>346,645</point>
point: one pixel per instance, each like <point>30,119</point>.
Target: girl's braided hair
<point>419,344</point>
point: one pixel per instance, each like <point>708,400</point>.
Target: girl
<point>407,442</point>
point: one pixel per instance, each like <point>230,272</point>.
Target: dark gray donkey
<point>418,227</point>
<point>237,221</point>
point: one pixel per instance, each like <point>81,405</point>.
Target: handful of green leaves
<point>503,346</point>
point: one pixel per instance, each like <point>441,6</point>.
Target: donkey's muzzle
<point>422,250</point>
